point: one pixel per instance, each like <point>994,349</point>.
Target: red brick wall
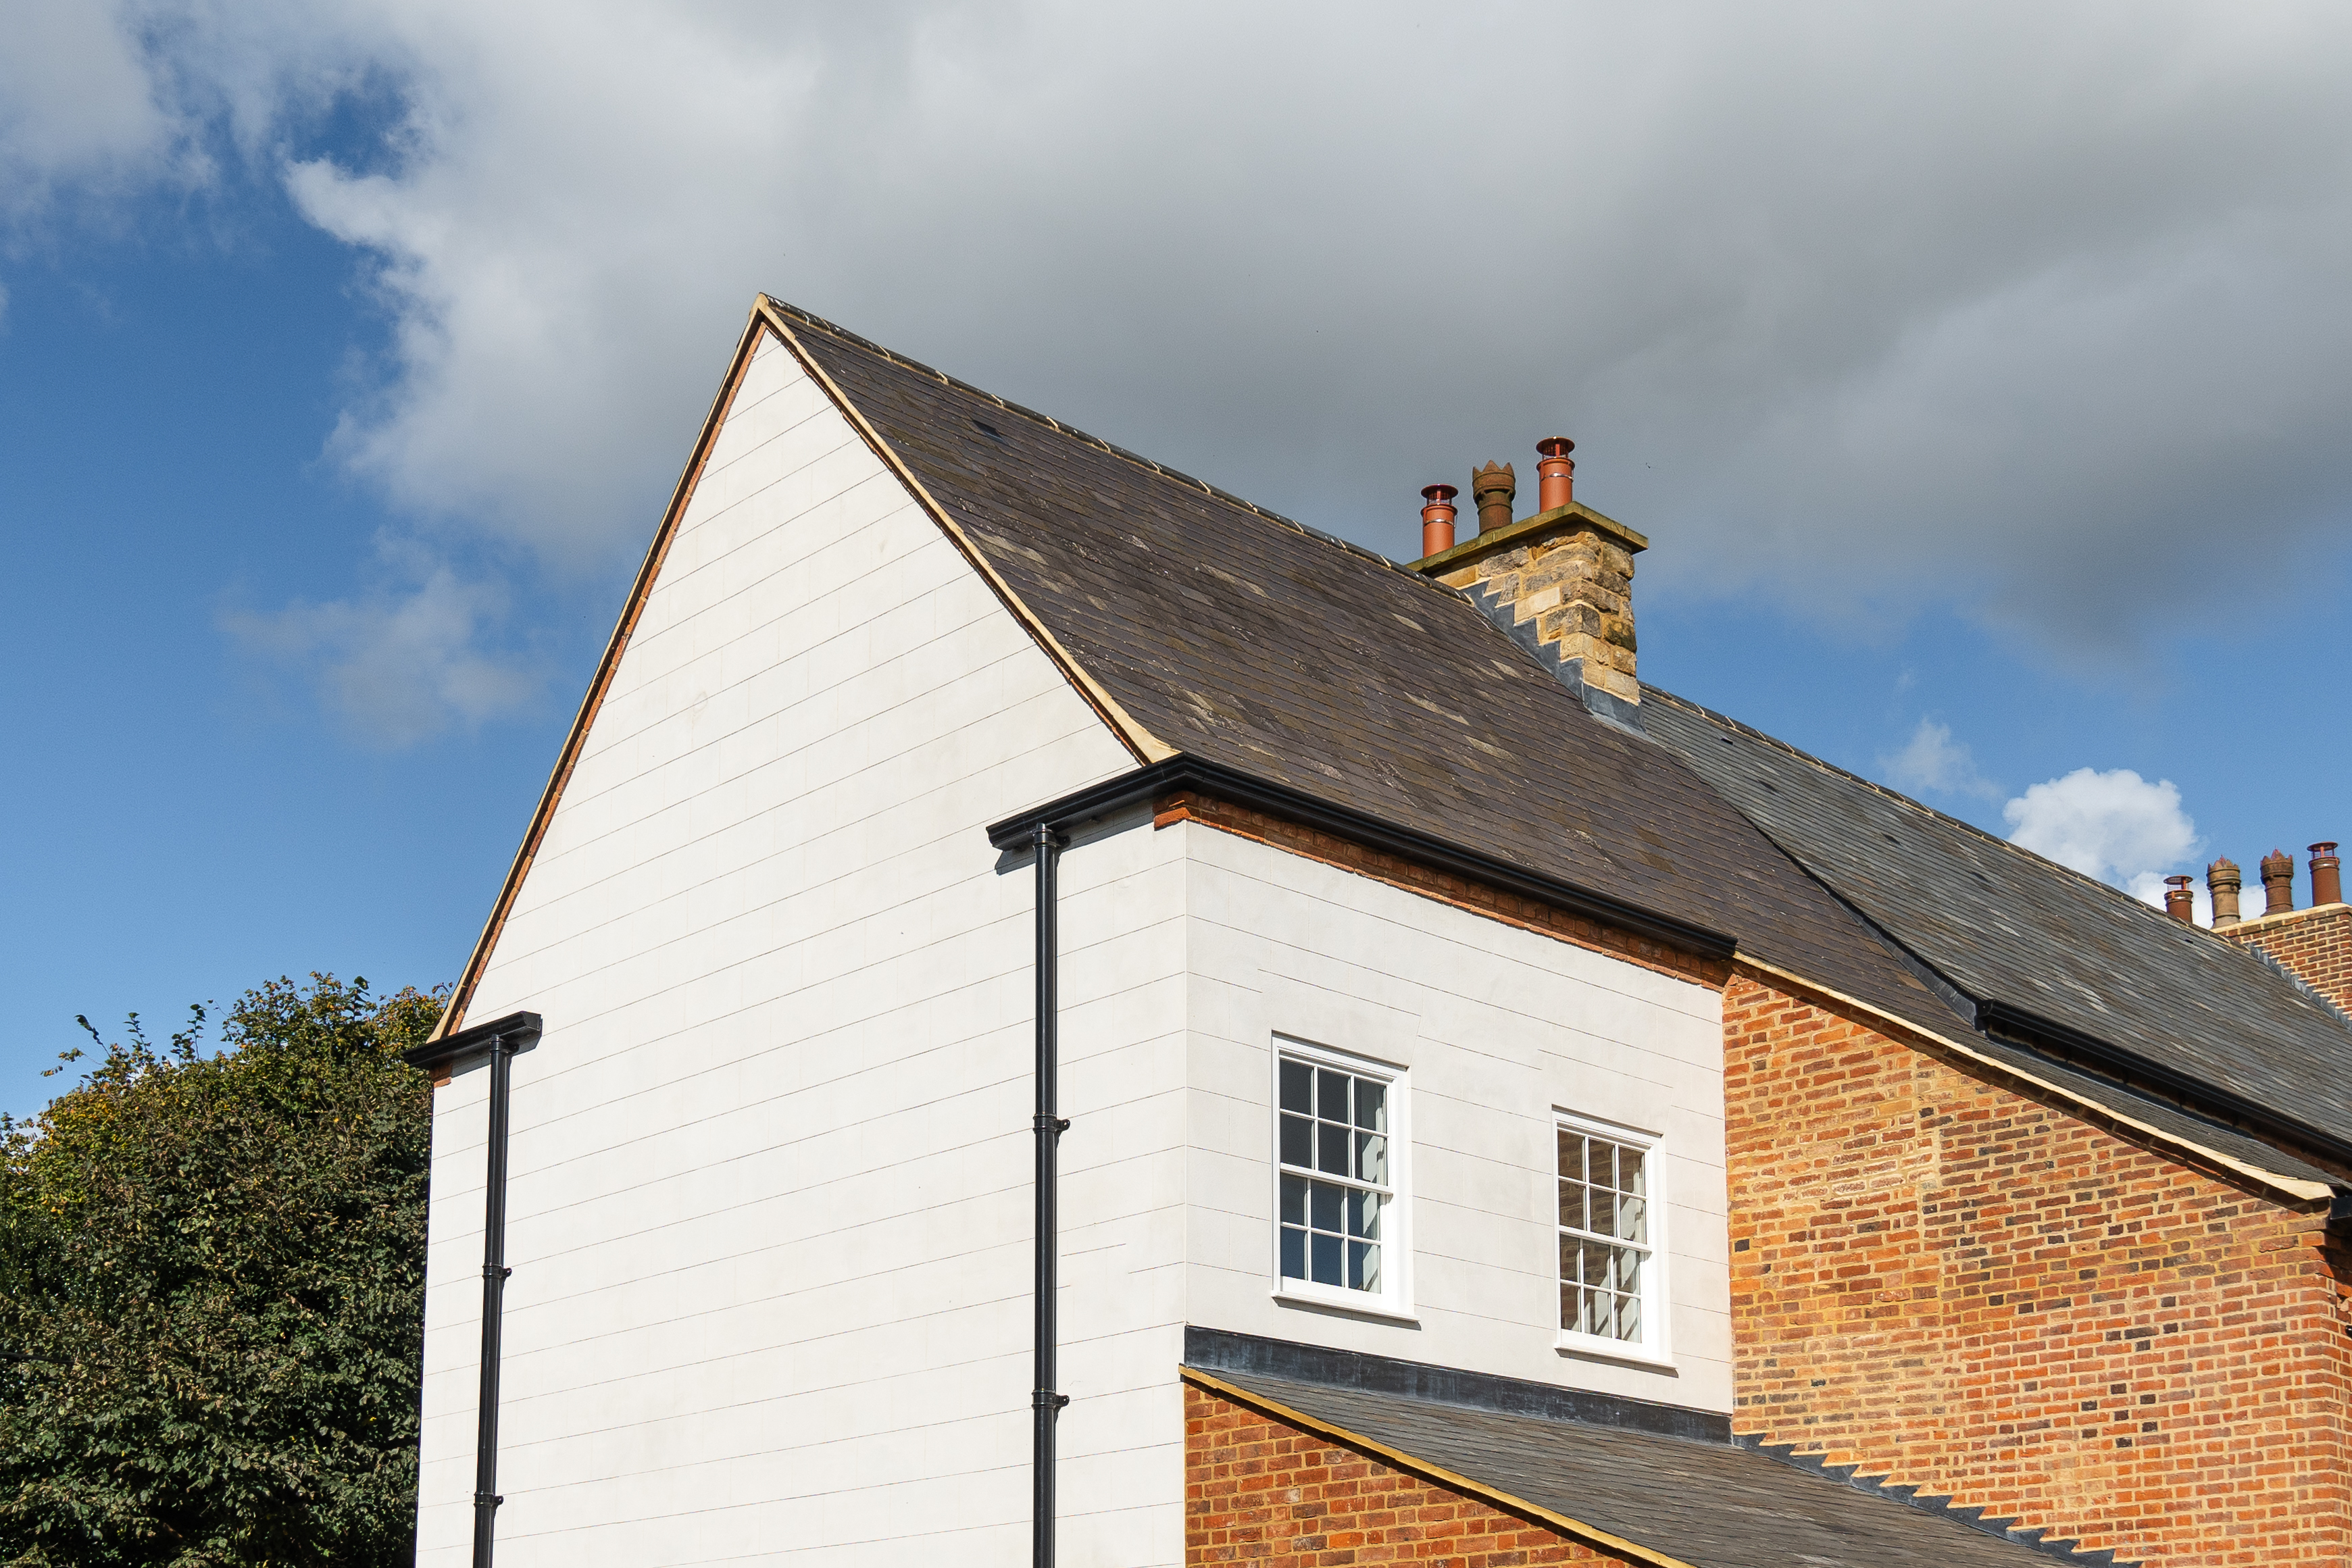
<point>1953,1284</point>
<point>1262,1492</point>
<point>2315,945</point>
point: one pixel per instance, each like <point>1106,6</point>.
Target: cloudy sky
<point>1981,374</point>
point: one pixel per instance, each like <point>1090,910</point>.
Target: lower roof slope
<point>2021,939</point>
<point>1705,1502</point>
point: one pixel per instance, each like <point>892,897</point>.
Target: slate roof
<point>1252,641</point>
<point>2001,924</point>
<point>1711,1504</point>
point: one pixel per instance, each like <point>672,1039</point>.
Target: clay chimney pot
<point>2327,875</point>
<point>2278,883</point>
<point>1556,473</point>
<point>2178,901</point>
<point>1437,519</point>
<point>2222,880</point>
<point>1493,487</point>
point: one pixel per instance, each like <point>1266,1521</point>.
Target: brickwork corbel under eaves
<point>1462,892</point>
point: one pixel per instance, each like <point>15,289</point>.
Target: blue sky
<point>348,352</point>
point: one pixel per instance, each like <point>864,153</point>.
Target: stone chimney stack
<point>2222,880</point>
<point>2278,883</point>
<point>1561,582</point>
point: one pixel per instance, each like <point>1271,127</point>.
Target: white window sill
<point>1362,1306</point>
<point>1593,1348</point>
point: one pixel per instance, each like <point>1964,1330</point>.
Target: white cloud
<point>78,107</point>
<point>2115,826</point>
<point>1862,306</point>
<point>1933,761</point>
<point>398,665</point>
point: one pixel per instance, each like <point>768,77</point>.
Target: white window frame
<point>1655,1347</point>
<point>1394,1299</point>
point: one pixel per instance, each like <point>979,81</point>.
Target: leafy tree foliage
<point>212,1270</point>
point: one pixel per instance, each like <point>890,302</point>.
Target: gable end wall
<point>770,1186</point>
<point>2313,944</point>
<point>1975,1294</point>
<point>1262,1491</point>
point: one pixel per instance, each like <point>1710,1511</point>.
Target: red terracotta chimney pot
<point>1437,519</point>
<point>2327,875</point>
<point>1556,473</point>
<point>2178,901</point>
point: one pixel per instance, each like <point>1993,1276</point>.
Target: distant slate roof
<point>2033,948</point>
<point>1666,1484</point>
<point>1232,635</point>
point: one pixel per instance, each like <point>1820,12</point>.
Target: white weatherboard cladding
<point>770,1204</point>
<point>1496,1028</point>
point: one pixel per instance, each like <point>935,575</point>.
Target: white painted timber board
<point>770,1195</point>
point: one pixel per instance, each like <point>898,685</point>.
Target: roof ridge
<point>810,318</point>
<point>1901,798</point>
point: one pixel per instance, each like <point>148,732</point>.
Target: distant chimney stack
<point>1556,473</point>
<point>2178,901</point>
<point>1437,518</point>
<point>2278,883</point>
<point>2314,944</point>
<point>2222,880</point>
<point>2327,875</point>
<point>1493,487</point>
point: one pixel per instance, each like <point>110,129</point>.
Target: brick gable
<point>1260,1491</point>
<point>2313,944</point>
<point>1949,1284</point>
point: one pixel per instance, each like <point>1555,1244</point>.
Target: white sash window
<point>1339,1164</point>
<point>1609,1284</point>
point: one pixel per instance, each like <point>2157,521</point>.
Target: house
<point>1024,952</point>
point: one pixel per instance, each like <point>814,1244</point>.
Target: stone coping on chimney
<point>1480,546</point>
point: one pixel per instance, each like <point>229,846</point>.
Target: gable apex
<point>769,330</point>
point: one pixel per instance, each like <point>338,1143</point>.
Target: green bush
<point>212,1271</point>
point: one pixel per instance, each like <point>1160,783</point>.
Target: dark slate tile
<point>1711,1504</point>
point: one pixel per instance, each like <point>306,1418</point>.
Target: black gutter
<point>1044,1401</point>
<point>1296,805</point>
<point>2007,1021</point>
<point>503,1038</point>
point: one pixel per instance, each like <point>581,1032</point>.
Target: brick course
<point>1982,1296</point>
<point>1260,1491</point>
<point>2314,944</point>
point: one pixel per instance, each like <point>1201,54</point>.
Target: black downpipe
<point>1046,1404</point>
<point>494,1290</point>
<point>504,1040</point>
